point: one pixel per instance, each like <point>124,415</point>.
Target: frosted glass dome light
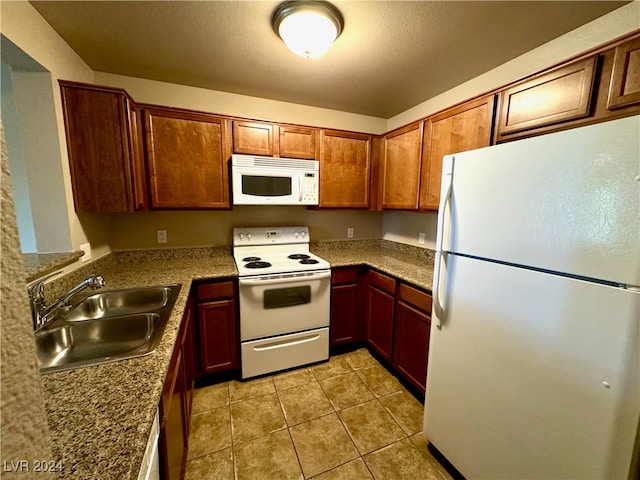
<point>308,28</point>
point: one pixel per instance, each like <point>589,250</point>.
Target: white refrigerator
<point>534,358</point>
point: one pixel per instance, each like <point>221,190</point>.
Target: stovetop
<point>273,250</point>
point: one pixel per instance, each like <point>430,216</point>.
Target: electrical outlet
<point>86,248</point>
<point>161,236</point>
<point>350,232</point>
<point>421,238</point>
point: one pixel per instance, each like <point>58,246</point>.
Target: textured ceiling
<point>391,55</point>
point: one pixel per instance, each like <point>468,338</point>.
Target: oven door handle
<point>300,277</point>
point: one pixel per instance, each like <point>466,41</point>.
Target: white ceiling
<point>391,55</point>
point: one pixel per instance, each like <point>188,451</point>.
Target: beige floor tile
<point>360,358</point>
<point>293,378</point>
<point>269,457</point>
<point>406,410</point>
<point>336,365</point>
<point>210,432</point>
<point>304,403</point>
<point>354,470</point>
<point>256,417</point>
<point>239,391</point>
<point>371,427</point>
<point>208,398</point>
<point>214,466</point>
<point>346,390</point>
<point>379,380</point>
<point>399,461</point>
<point>322,444</point>
<point>421,441</point>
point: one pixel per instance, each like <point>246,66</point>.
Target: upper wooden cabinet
<point>187,156</point>
<point>462,128</point>
<point>272,140</point>
<point>344,169</point>
<point>556,96</point>
<point>101,125</point>
<point>400,168</point>
<point>625,78</point>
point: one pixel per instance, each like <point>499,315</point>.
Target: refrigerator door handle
<point>445,196</point>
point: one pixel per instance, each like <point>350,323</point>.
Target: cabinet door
<point>625,80</point>
<point>218,336</point>
<point>187,160</point>
<point>557,96</point>
<point>411,344</point>
<point>173,446</point>
<point>380,307</point>
<point>345,324</point>
<point>344,169</point>
<point>253,138</point>
<point>401,168</point>
<point>188,355</point>
<point>462,128</point>
<point>99,140</point>
<point>298,142</point>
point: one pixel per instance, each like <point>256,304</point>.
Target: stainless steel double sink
<point>105,327</point>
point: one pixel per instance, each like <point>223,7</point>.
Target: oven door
<point>278,304</point>
<point>265,186</point>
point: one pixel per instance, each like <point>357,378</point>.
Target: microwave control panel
<point>310,187</point>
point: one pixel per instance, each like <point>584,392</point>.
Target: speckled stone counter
<point>100,416</point>
<point>37,265</point>
<point>410,264</point>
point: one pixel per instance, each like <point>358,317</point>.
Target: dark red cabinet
<point>379,307</point>
<point>345,315</point>
<point>217,327</point>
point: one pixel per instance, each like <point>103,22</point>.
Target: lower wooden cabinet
<point>379,308</point>
<point>175,403</point>
<point>411,335</point>
<point>217,327</point>
<point>346,324</point>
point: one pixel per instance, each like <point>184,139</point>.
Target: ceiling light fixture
<point>308,28</point>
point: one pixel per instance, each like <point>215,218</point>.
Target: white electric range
<point>284,293</point>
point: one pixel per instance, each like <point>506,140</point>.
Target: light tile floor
<point>348,418</point>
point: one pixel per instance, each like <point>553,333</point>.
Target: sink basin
<point>106,327</point>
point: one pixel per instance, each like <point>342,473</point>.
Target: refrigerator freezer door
<point>566,202</point>
<point>533,375</point>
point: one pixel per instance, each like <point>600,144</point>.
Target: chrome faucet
<point>39,309</point>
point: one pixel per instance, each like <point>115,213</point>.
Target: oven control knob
<point>242,236</point>
<point>248,236</point>
<point>295,234</point>
<point>303,234</point>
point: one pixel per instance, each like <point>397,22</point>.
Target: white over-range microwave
<point>274,181</point>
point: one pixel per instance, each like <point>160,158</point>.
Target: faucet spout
<point>40,311</point>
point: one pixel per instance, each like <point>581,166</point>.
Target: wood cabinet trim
<point>622,73</point>
<point>215,290</point>
<point>588,68</point>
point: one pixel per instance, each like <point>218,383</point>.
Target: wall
<point>404,227</point>
<point>24,432</point>
<point>24,27</point>
<point>205,228</point>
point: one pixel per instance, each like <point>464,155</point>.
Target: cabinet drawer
<point>381,281</point>
<point>419,299</point>
<point>215,291</point>
<point>344,275</point>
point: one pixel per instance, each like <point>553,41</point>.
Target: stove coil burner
<point>308,261</point>
<point>257,264</point>
<point>250,259</point>
<point>298,256</point>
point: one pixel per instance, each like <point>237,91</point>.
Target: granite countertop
<point>37,265</point>
<point>100,416</point>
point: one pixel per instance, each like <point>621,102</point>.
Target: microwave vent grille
<point>289,163</point>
